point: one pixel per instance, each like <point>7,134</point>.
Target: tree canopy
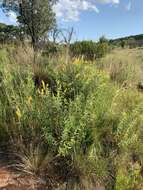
<point>37,17</point>
<point>9,33</point>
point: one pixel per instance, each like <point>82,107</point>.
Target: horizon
<point>92,19</point>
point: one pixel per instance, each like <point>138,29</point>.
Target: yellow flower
<point>43,85</point>
<point>42,91</point>
<point>38,91</point>
<point>29,101</point>
<point>77,76</point>
<point>18,112</point>
<point>77,61</point>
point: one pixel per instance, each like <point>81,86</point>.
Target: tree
<point>10,33</point>
<point>123,43</point>
<point>67,36</point>
<point>36,16</point>
<point>103,39</point>
<point>102,47</point>
<point>132,43</point>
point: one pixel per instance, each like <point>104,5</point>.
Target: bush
<point>84,48</point>
<point>87,135</point>
<point>90,50</point>
<point>102,49</point>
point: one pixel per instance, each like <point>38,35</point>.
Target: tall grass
<point>84,134</point>
<point>124,66</point>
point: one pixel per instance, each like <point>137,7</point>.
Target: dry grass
<point>124,66</point>
<point>61,159</point>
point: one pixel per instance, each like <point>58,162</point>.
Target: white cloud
<point>109,1</point>
<point>68,10</point>
<point>71,9</point>
<point>12,17</point>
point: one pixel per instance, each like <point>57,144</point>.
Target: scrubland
<point>73,125</point>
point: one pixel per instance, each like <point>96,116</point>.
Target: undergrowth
<point>70,123</point>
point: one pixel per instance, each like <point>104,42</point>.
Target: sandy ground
<point>10,180</point>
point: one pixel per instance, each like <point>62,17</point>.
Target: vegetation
<point>10,33</point>
<point>130,41</point>
<point>36,17</point>
<point>74,124</point>
<point>71,116</point>
<point>90,50</point>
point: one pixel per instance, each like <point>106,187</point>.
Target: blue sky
<point>94,18</point>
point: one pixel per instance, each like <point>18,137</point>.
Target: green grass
<point>88,133</point>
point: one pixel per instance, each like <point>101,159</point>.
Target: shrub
<point>87,135</point>
<point>84,48</point>
<point>102,49</point>
<point>90,50</point>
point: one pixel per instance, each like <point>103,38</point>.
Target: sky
<point>92,19</point>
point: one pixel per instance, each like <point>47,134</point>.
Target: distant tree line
<point>88,49</point>
<point>130,41</point>
<point>10,33</point>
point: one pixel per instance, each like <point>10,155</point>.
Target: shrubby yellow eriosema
<point>29,101</point>
<point>77,61</point>
<point>18,112</point>
<point>43,85</point>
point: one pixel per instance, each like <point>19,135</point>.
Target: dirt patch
<point>10,180</point>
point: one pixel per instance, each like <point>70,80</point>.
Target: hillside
<point>134,40</point>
